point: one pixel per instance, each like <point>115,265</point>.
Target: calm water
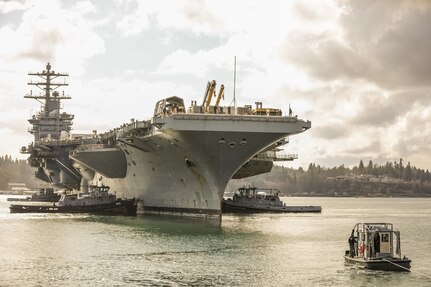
<point>257,250</point>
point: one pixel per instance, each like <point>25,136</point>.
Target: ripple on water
<point>257,250</point>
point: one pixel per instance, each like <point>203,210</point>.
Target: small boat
<point>254,200</point>
<point>96,201</point>
<point>376,246</point>
<point>43,195</point>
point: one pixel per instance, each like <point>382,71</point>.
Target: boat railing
<point>371,227</point>
<point>230,117</point>
<point>277,157</point>
<point>126,129</point>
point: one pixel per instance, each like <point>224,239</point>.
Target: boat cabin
<point>98,189</point>
<point>254,192</point>
<point>45,191</point>
<point>95,195</point>
<point>374,240</point>
<point>260,196</point>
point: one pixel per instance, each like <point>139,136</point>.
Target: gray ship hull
<point>178,163</point>
<point>183,167</point>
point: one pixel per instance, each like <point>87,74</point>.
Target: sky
<point>360,71</point>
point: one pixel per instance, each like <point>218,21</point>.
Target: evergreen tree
<point>401,171</point>
<point>370,167</point>
<point>361,167</point>
<point>294,179</point>
<point>407,174</point>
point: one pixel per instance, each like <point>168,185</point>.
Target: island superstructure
<point>178,162</point>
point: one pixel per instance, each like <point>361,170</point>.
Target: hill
<point>390,179</point>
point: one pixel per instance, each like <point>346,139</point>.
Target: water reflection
<point>161,224</point>
<point>242,250</point>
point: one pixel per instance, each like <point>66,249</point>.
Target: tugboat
<point>376,246</point>
<point>43,195</point>
<point>96,201</point>
<point>254,200</point>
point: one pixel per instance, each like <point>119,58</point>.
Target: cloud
<point>13,149</point>
<point>325,58</point>
<point>182,61</point>
<point>197,16</point>
<point>381,108</point>
<point>331,131</point>
<point>121,98</point>
<point>359,70</point>
<point>49,31</point>
<point>372,148</point>
<point>13,127</point>
<point>197,13</point>
<point>403,51</point>
<point>389,48</point>
<point>411,135</point>
<point>43,45</point>
<point>7,6</point>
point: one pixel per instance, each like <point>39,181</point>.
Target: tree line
<point>314,180</point>
<point>317,179</point>
<point>16,171</point>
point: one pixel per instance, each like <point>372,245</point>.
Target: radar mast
<point>49,123</point>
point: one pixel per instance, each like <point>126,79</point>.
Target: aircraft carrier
<point>176,163</point>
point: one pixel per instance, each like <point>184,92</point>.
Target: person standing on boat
<point>377,243</point>
<point>355,245</point>
<point>352,245</point>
